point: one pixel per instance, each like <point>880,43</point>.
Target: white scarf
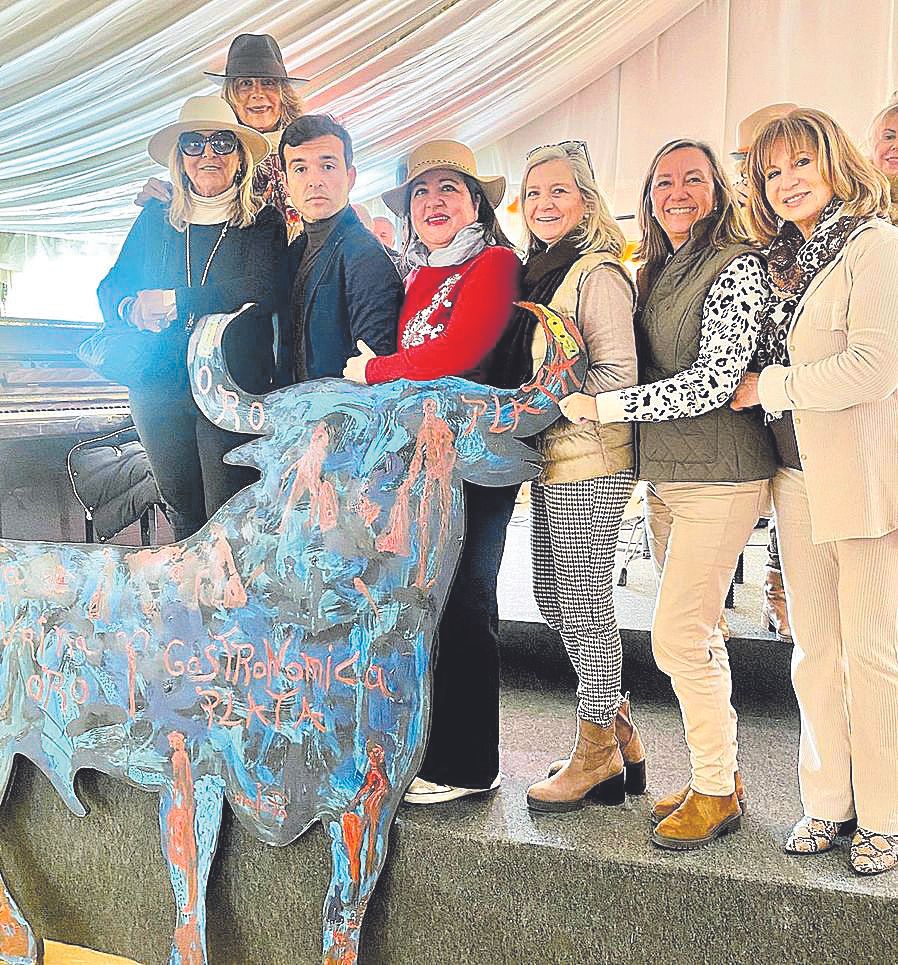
<point>214,210</point>
<point>470,241</point>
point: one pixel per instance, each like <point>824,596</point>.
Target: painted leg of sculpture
<point>189,819</point>
<point>342,915</point>
<point>353,879</point>
<point>17,942</point>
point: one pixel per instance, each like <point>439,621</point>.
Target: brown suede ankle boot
<point>631,747</point>
<point>698,821</point>
<point>667,805</point>
<point>595,765</point>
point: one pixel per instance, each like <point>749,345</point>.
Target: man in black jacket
<point>345,287</point>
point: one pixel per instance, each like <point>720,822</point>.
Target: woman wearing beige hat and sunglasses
<point>213,248</point>
<point>458,302</point>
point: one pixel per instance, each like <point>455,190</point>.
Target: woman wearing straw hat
<point>256,85</point>
<point>458,301</point>
<point>213,248</point>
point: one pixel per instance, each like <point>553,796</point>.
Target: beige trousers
<point>696,533</point>
<point>843,603</point>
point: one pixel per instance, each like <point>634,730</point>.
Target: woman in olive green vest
<point>701,285</point>
<point>574,248</point>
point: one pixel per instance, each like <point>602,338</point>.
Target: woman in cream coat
<point>830,344</point>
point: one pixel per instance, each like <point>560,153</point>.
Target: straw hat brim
<point>163,141</point>
<point>396,199</point>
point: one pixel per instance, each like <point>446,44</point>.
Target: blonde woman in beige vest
<point>829,346</point>
<point>573,265</point>
<point>701,286</point>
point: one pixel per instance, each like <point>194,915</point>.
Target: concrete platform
<point>479,881</point>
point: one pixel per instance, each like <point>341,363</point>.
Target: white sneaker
<point>427,792</point>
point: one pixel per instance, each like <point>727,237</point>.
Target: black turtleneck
<point>317,232</point>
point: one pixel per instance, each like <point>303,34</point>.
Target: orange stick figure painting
<point>180,845</point>
<point>307,478</point>
<point>359,828</point>
<point>434,452</point>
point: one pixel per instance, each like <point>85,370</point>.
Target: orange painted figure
<point>308,479</point>
<point>181,850</point>
<point>370,796</point>
<point>434,452</point>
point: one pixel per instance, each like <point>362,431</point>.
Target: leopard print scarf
<point>792,264</point>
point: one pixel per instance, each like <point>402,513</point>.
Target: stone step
<point>759,665</point>
<point>478,880</point>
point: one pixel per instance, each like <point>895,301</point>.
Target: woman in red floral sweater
<point>458,302</point>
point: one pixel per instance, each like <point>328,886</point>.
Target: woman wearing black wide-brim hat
<point>264,97</point>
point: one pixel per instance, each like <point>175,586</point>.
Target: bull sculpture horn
<point>218,396</point>
<point>534,406</point>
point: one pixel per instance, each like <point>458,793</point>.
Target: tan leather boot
<point>631,748</point>
<point>595,765</point>
<point>698,821</point>
<point>667,805</point>
<point>774,612</point>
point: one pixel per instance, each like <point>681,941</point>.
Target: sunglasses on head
<point>570,148</point>
<point>192,143</point>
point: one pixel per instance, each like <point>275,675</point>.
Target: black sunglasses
<point>192,143</point>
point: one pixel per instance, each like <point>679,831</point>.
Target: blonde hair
<point>878,122</point>
<point>853,179</point>
<point>729,227</point>
<point>248,204</point>
<point>291,102</point>
<point>597,231</point>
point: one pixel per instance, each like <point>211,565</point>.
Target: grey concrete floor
<point>538,725</point>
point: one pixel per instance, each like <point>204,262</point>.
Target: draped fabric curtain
<point>700,77</point>
<point>83,85</point>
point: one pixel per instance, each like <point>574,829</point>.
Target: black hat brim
<point>291,80</point>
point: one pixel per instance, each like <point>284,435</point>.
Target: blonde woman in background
<point>884,152</point>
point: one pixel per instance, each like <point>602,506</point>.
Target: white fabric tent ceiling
<point>83,85</point>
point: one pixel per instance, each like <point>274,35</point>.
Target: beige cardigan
<point>843,387</point>
<point>576,452</point>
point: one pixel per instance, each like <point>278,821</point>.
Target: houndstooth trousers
<point>573,531</point>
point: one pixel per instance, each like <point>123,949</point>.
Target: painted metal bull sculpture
<point>280,657</point>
